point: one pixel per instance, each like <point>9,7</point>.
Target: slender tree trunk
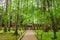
<point>1,20</point>
<point>16,25</point>
<point>44,6</point>
<point>53,25</point>
<point>9,21</point>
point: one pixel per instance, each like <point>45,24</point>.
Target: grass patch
<point>10,35</point>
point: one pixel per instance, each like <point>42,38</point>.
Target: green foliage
<point>30,10</point>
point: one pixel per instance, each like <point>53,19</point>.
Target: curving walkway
<point>29,35</point>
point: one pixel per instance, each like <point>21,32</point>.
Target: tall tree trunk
<point>52,17</point>
<point>32,12</point>
<point>5,27</point>
<point>17,17</point>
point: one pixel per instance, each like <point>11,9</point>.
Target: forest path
<point>29,35</point>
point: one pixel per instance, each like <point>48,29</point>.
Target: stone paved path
<point>29,35</point>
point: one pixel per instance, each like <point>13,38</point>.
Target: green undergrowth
<point>46,35</point>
